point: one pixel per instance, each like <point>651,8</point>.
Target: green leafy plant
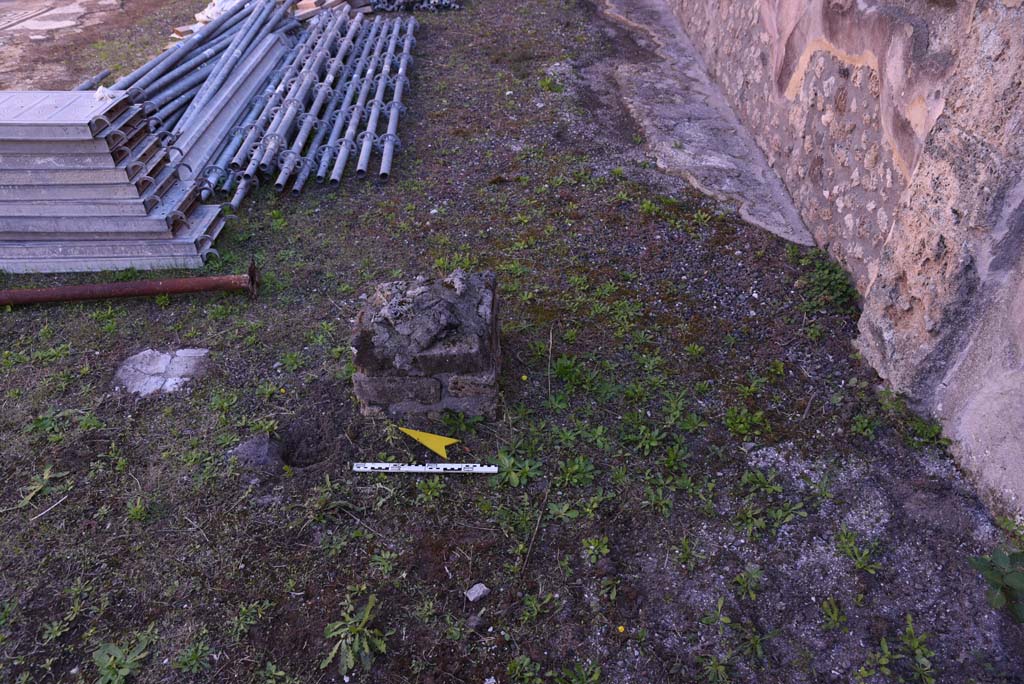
<point>384,562</point>
<point>919,655</point>
<point>354,640</point>
<point>41,485</point>
<point>846,542</point>
<point>686,553</point>
<point>535,605</point>
<point>752,642</point>
<point>863,425</point>
<point>515,472</point>
<point>577,472</point>
<point>115,664</point>
<point>749,581</point>
<point>743,422</point>
<point>924,433</point>
<point>878,662</point>
<point>459,423</point>
<point>833,614</point>
<point>430,490</point>
<point>760,482</point>
<point>825,285</point>
<point>595,548</point>
<point>785,513</point>
<point>716,617</point>
<point>751,520</point>
<point>195,658</point>
<point>577,674</point>
<point>522,670</point>
<point>562,511</point>
<point>292,361</point>
<point>1004,571</point>
<point>549,84</point>
<point>249,614</point>
<point>716,670</point>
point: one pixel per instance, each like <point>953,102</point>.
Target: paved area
<point>690,127</point>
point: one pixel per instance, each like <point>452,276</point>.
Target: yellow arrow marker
<point>435,443</point>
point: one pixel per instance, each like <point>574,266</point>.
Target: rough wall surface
<point>898,129</point>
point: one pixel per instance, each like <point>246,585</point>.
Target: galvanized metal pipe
<point>356,116</point>
<point>286,116</point>
<point>369,136</point>
<point>177,105</point>
<point>253,143</point>
<point>335,116</point>
<point>200,136</point>
<point>91,83</point>
<point>324,91</point>
<point>242,40</point>
<point>194,62</point>
<point>196,78</point>
<point>244,185</point>
<point>276,133</point>
<point>163,62</point>
<point>391,137</point>
<point>341,117</point>
<point>219,170</point>
<point>248,282</point>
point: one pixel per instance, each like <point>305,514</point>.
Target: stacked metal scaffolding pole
<point>337,109</point>
<point>395,108</point>
<point>355,117</point>
<point>118,178</point>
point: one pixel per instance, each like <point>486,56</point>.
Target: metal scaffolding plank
<point>93,264</point>
<point>69,192</point>
<point>72,208</point>
<point>50,115</point>
<point>207,218</point>
<point>18,161</point>
<point>64,176</point>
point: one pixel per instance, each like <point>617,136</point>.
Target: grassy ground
<point>700,479</point>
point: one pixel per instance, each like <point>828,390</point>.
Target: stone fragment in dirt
<point>477,592</point>
<point>262,456</point>
<point>429,345</point>
<point>150,371</point>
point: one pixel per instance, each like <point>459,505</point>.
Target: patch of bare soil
<point>71,41</point>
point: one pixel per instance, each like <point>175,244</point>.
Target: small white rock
<point>477,592</point>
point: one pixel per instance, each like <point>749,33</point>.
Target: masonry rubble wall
<point>898,129</point>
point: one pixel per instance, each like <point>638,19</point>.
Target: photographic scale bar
<point>456,468</point>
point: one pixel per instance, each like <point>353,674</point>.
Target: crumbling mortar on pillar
<point>429,345</point>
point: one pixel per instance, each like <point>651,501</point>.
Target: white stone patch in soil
<point>477,592</point>
<point>150,371</point>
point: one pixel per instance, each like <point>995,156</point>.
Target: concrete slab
<point>151,371</point>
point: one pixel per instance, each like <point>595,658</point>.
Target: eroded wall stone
<point>898,129</point>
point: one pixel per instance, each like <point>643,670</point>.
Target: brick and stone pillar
<point>429,345</point>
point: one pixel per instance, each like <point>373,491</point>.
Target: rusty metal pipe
<point>248,282</point>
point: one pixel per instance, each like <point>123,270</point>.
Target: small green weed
<point>744,423</point>
<point>1004,572</point>
<point>115,664</point>
<point>354,640</point>
<point>833,614</point>
<point>595,548</point>
<point>846,542</point>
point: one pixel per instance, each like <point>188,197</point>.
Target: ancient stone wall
<point>898,129</point>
